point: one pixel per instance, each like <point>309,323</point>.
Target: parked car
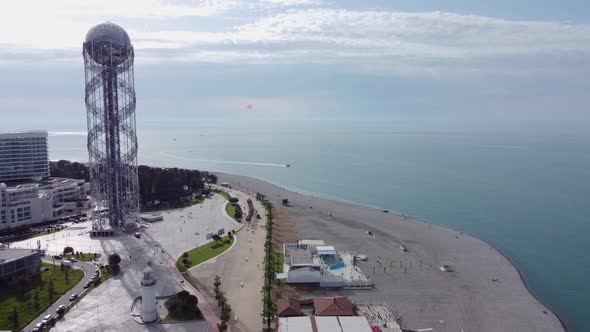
<point>46,320</point>
<point>57,256</point>
<point>66,263</point>
<point>73,297</point>
<point>137,235</point>
<point>61,309</point>
<point>72,259</point>
<point>86,285</point>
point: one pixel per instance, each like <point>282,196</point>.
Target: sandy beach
<point>484,293</point>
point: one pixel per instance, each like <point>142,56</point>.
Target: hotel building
<point>23,156</point>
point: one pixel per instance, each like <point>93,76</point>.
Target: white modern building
<point>324,324</point>
<point>23,156</point>
<point>68,195</point>
<point>33,203</point>
<point>312,262</point>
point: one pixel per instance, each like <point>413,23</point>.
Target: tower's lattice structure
<point>112,141</point>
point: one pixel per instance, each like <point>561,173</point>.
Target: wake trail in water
<point>68,133</point>
<point>223,161</point>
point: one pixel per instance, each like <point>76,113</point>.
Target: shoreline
<point>357,206</point>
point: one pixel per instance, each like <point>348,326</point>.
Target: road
<point>88,269</point>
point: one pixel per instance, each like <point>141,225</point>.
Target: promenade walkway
<point>241,264</point>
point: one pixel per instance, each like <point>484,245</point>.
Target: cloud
<point>300,32</point>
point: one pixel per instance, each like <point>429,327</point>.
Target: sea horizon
<point>488,185</point>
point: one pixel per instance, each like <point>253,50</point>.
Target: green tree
<point>13,317</point>
<point>50,290</point>
<point>114,261</point>
<point>23,284</point>
<point>216,285</point>
<point>36,299</point>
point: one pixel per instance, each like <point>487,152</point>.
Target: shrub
<point>238,212</point>
<point>114,259</point>
<point>185,254</point>
<point>233,200</point>
<point>68,250</point>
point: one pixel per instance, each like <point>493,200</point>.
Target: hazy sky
<point>430,60</point>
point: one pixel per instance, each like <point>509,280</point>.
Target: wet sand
<point>484,293</point>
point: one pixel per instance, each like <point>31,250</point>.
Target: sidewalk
<point>203,305</point>
<point>234,269</point>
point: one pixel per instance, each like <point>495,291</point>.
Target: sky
<point>456,62</point>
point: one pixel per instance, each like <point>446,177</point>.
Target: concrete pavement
<point>161,242</point>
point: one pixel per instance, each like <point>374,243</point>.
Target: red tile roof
<point>332,306</point>
<point>288,307</point>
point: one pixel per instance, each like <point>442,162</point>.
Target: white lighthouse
<point>149,308</point>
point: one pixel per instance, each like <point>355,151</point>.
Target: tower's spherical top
<point>108,43</point>
<point>108,33</point>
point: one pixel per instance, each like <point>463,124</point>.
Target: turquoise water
<point>526,193</point>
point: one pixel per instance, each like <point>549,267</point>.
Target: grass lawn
<point>105,274</point>
<point>200,254</point>
<point>32,235</point>
<point>231,209</point>
<point>181,310</point>
<point>82,256</point>
<point>45,232</point>
<point>25,302</point>
<point>277,260</point>
<point>222,193</point>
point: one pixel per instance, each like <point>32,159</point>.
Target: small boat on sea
<point>288,165</point>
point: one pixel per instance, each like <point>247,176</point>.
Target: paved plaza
<point>107,308</point>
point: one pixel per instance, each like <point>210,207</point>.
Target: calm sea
<point>526,193</point>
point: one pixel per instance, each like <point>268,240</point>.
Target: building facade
<point>23,156</point>
<point>17,262</point>
<point>34,203</point>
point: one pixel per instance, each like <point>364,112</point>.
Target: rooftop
<point>288,307</point>
<point>26,133</point>
<point>326,250</point>
<point>295,324</point>
<point>7,255</point>
<point>332,306</point>
<point>301,257</point>
<point>311,242</point>
<point>324,324</point>
<point>354,324</point>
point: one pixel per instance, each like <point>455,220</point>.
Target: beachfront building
<point>332,306</point>
<point>17,262</point>
<point>312,262</point>
<point>23,156</point>
<point>32,203</point>
<point>324,324</point>
<point>288,307</point>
